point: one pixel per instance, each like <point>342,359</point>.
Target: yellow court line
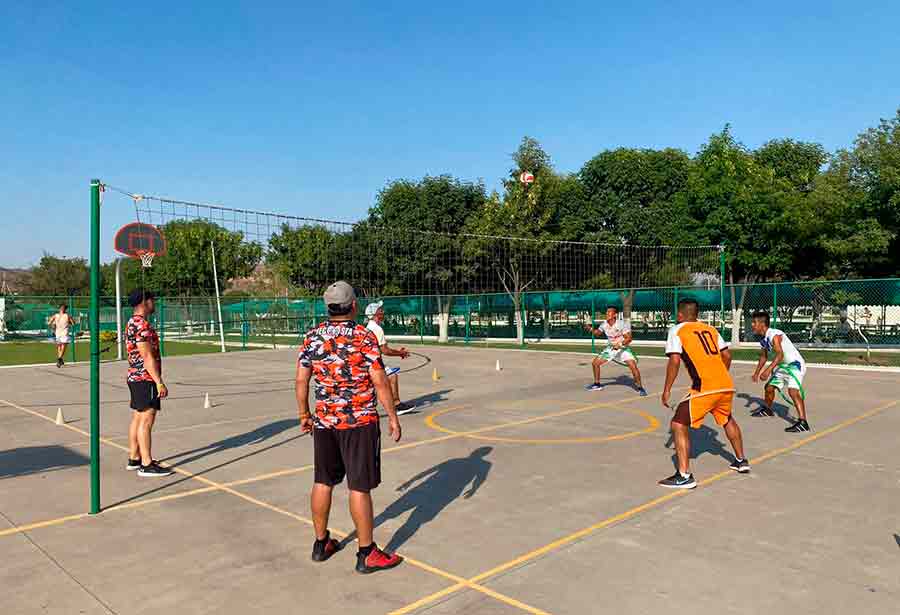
<point>252,479</point>
<point>631,513</point>
<point>652,425</point>
<point>218,486</point>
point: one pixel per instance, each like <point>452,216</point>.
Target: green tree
<point>307,257</point>
<point>635,196</point>
<point>796,164</point>
<point>741,205</point>
<point>186,269</point>
<point>531,214</point>
<point>868,178</point>
<point>55,276</point>
<point>417,225</point>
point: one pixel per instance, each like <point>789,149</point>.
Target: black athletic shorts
<point>144,395</point>
<point>354,453</point>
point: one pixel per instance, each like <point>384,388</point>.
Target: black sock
<point>321,543</point>
<point>364,551</point>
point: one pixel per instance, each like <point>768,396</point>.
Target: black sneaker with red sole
<point>322,550</point>
<point>376,560</point>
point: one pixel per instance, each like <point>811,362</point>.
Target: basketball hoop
<point>140,240</point>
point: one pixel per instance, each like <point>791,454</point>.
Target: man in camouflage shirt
<point>345,359</point>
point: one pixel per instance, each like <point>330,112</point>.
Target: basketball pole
<point>212,248</point>
<point>94,315</point>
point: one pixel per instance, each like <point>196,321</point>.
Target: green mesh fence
<point>848,313</point>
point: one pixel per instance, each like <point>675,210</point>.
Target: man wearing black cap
<point>145,383</point>
<point>346,361</point>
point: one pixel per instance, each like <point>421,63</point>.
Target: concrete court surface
<point>511,491</point>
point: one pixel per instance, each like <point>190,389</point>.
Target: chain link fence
<point>826,314</point>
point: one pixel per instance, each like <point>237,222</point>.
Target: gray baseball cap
<point>339,293</point>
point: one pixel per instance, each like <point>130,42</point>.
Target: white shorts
<point>390,371</point>
<point>64,339</point>
<point>620,356</point>
<point>790,377</point>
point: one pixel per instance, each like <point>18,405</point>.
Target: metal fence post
<point>74,327</point>
<point>722,283</point>
<point>593,340</point>
<point>244,324</point>
<point>468,320</point>
<point>162,326</point>
<point>774,304</point>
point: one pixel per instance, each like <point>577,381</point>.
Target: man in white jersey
<point>375,314</point>
<point>60,322</point>
<point>618,338</point>
<point>786,371</point>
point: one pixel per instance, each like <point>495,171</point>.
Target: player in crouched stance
<point>707,359</point>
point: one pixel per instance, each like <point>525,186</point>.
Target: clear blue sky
<point>310,110</point>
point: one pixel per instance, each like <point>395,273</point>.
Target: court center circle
<point>477,434</point>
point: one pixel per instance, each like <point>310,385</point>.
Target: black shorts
<point>144,395</point>
<point>355,453</point>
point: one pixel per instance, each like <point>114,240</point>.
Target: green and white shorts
<point>620,356</point>
<point>788,375</point>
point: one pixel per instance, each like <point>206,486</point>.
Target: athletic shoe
<point>740,465</point>
<point>762,411</point>
<point>133,464</point>
<point>376,560</point>
<point>154,470</point>
<point>324,549</point>
<point>677,481</point>
<point>594,387</point>
<point>59,363</point>
<point>642,391</point>
<point>404,408</point>
<point>799,425</point>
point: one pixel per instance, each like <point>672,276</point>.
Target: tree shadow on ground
<point>39,459</point>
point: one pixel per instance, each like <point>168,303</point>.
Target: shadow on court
<point>621,380</point>
<point>255,436</point>
<point>752,402</point>
<point>704,440</point>
<point>38,459</point>
<point>430,399</point>
<point>441,485</point>
<point>258,436</point>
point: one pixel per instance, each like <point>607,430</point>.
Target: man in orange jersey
<point>707,359</point>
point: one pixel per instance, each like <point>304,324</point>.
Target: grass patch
<point>26,353</point>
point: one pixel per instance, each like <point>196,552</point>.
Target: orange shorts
<point>717,403</point>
